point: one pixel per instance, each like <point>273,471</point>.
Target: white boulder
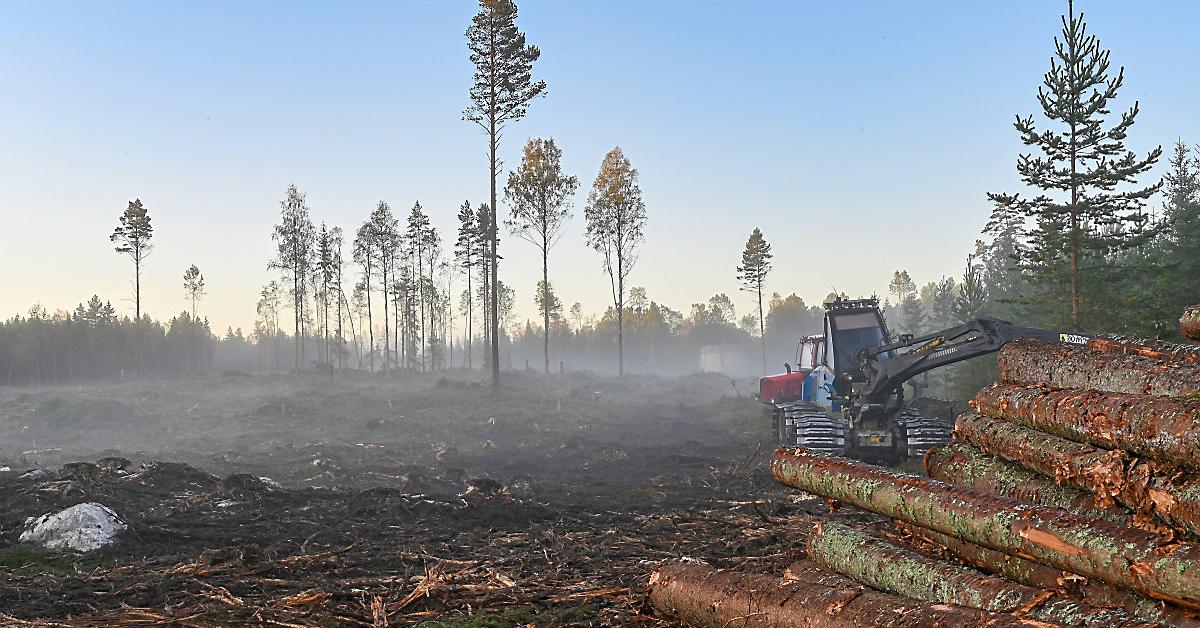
<point>82,527</point>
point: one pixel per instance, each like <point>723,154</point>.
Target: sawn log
<point>1161,428</point>
<point>887,567</point>
<point>1094,548</point>
<point>701,596</point>
<point>1030,362</point>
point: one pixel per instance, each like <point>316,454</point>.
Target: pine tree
<point>384,242</point>
<point>465,249</point>
<point>904,290</point>
<point>616,217</point>
<point>193,286</point>
<point>132,237</point>
<point>483,220</point>
<point>364,254</point>
<point>1089,206</point>
<point>540,197</point>
<point>756,263</point>
<point>417,236</point>
<point>502,90</point>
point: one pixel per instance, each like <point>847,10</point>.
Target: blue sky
<point>861,137</point>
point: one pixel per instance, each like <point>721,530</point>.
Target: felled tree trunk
<point>1189,323</point>
<point>1040,576</point>
<point>1161,428</point>
<point>701,596</point>
<point>1030,362</point>
<point>887,567</point>
<point>1124,557</point>
<point>1147,348</point>
<point>1110,475</point>
<point>963,464</point>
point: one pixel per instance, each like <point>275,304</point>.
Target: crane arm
<point>882,370</point>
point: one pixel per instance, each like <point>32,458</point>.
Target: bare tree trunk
<point>494,236</point>
<point>762,329</point>
<point>387,347</point>
<point>1074,233</point>
<point>620,304</point>
<point>137,309</point>
<point>545,302</point>
<point>370,321</point>
<point>470,344</point>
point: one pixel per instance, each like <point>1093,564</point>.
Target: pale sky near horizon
<point>860,137</point>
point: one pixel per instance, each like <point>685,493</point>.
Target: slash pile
<point>1071,496</point>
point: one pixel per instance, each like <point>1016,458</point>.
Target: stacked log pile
<point>1070,496</point>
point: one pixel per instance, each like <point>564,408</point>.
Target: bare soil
<point>422,499</point>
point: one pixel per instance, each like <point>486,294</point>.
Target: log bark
<point>963,464</point>
<point>701,596</point>
<point>893,569</point>
<point>1189,323</point>
<point>1160,428</point>
<point>1027,572</point>
<point>1030,362</point>
<point>1171,498</point>
<point>1147,348</point>
<point>1124,557</point>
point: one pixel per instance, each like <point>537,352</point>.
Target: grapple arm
<point>882,370</point>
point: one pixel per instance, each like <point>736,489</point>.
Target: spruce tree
<point>1181,244</point>
<point>1088,206</point>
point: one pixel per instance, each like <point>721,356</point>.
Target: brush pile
<point>1070,496</point>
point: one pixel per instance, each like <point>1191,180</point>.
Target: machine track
<point>921,432</point>
<point>802,424</point>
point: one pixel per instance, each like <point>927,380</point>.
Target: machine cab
<point>850,327</point>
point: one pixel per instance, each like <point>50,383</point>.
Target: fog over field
<point>608,314</point>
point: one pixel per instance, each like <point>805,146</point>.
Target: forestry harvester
<point>845,395</point>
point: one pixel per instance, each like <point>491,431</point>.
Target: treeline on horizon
<point>1081,248</point>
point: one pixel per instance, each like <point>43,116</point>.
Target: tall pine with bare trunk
<point>1088,205</point>
<point>502,90</point>
<point>756,263</point>
<point>132,237</point>
<point>540,197</point>
<point>616,217</point>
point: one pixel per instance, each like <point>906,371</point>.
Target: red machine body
<point>782,387</point>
